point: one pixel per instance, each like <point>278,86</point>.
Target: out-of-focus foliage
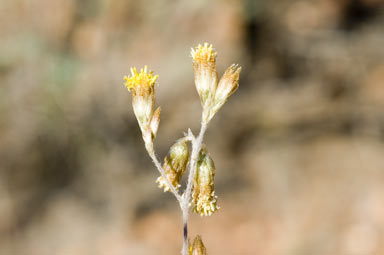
<point>298,149</point>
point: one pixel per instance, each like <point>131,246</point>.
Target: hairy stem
<point>162,173</point>
<point>184,250</point>
<point>196,147</point>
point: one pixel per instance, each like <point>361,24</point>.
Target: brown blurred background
<point>298,148</point>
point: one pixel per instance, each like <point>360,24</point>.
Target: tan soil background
<point>299,148</point>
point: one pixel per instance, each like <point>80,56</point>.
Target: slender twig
<point>184,250</point>
<point>196,147</point>
<point>165,177</point>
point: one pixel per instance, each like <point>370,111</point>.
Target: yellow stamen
<point>204,54</point>
<point>144,79</point>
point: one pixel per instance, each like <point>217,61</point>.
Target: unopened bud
<point>227,86</point>
<point>175,164</point>
<point>204,198</point>
<point>197,247</point>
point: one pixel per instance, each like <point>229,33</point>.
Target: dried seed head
<point>175,164</point>
<point>197,248</point>
<point>143,92</point>
<point>204,198</point>
<point>204,65</point>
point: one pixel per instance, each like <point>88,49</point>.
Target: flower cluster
<point>213,94</point>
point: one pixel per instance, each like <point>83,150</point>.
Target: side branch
<point>165,177</point>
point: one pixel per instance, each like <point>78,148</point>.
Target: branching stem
<point>162,173</point>
<point>183,200</point>
<point>196,147</point>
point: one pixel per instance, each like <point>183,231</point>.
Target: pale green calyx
<point>175,164</point>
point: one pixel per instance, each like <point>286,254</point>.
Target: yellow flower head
<point>140,81</point>
<point>143,101</point>
<point>204,65</point>
<point>204,54</point>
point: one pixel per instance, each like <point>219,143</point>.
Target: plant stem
<point>184,250</point>
<point>196,147</point>
<point>162,173</point>
<point>183,200</point>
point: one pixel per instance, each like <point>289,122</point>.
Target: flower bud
<point>197,247</point>
<point>204,199</point>
<point>204,65</point>
<point>227,86</point>
<point>175,164</point>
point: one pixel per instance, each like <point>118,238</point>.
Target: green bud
<point>175,164</point>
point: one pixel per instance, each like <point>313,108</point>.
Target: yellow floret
<point>204,54</point>
<point>144,79</point>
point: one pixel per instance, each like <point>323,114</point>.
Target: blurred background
<point>298,148</point>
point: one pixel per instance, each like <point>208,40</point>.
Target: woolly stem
<point>184,250</point>
<point>196,147</point>
<point>152,154</point>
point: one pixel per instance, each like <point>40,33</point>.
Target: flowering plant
<point>199,193</point>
